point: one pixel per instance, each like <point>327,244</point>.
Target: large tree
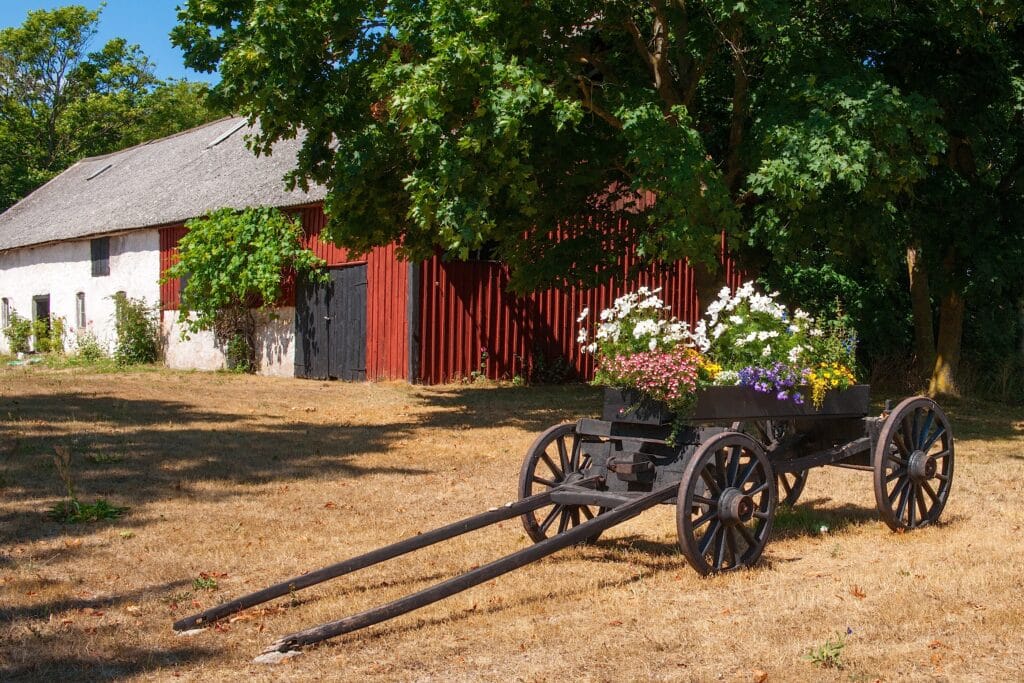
<point>452,123</point>
<point>60,100</point>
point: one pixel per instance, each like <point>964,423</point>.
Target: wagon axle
<point>742,452</point>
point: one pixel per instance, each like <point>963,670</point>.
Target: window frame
<point>99,250</point>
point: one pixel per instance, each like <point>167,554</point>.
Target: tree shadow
<point>46,663</point>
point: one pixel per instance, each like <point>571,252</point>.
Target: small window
<point>182,284</point>
<point>41,308</point>
<point>100,256</point>
<point>80,321</point>
<point>5,312</point>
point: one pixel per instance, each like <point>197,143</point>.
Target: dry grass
<point>249,480</point>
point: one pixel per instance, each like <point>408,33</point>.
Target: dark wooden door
<point>330,326</point>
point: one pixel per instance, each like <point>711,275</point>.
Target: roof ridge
<point>147,143</point>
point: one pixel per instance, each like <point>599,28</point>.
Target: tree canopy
<point>60,100</point>
<point>836,135</point>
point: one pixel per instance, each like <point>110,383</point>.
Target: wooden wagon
<point>739,456</point>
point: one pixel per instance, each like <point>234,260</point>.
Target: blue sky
<point>145,22</point>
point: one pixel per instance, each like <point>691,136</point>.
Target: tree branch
<point>587,90</point>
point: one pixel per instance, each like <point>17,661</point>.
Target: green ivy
<point>235,262</point>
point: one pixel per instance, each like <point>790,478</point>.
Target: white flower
<point>766,351</point>
<point>736,319</point>
<point>823,529</point>
<point>608,331</point>
<point>607,314</point>
<point>653,344</point>
<point>591,347</point>
<point>794,353</point>
<point>581,338</point>
<point>583,314</point>
<point>801,314</point>
<point>651,302</point>
<point>816,332</point>
<point>645,328</point>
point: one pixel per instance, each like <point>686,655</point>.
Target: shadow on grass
<point>41,656</point>
<point>47,664</point>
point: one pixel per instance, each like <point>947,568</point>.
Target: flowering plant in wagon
<point>745,338</point>
<point>638,345</point>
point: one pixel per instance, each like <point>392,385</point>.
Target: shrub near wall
<point>138,331</point>
<point>18,333</point>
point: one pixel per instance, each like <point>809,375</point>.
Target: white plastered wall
<point>63,270</point>
<point>275,336</point>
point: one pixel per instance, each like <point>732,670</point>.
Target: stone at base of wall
<point>275,335</point>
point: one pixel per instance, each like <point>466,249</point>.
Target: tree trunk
<point>947,357</point>
<point>921,308</point>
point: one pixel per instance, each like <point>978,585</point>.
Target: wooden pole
<point>476,576</point>
<point>444,533</point>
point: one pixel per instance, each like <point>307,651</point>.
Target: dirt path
<point>243,481</point>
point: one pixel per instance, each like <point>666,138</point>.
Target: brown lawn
<point>247,481</point>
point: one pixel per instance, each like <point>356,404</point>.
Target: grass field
<point>235,482</point>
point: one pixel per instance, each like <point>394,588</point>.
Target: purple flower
<point>782,395</point>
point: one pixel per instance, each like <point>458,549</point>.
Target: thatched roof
<point>160,182</point>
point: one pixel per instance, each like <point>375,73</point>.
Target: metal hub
<point>920,466</point>
<point>734,506</point>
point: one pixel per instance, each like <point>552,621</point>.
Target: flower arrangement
<point>745,338</point>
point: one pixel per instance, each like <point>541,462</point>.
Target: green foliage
<point>138,332</point>
<point>204,582</point>
<point>89,348</point>
<point>75,512</point>
<point>48,334</point>
<point>60,102</point>
<point>18,333</point>
<point>234,262</point>
<point>238,354</point>
<point>71,510</point>
<point>828,655</point>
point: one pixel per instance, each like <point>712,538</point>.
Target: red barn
<point>442,321</point>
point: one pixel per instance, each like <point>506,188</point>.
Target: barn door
<point>330,326</point>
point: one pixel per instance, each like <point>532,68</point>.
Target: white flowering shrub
<point>636,322</point>
<point>750,329</point>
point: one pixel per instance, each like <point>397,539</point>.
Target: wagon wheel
<point>789,485</point>
<point>726,504</point>
<point>554,457</point>
<point>913,463</point>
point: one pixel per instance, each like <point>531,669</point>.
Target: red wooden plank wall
<point>466,312</point>
<point>169,291</point>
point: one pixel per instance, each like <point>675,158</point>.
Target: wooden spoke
<point>925,429</point>
<point>546,482</point>
<point>736,453</point>
<point>563,457</point>
<point>552,466</point>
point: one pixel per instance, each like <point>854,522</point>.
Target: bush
<point>18,333</point>
<point>89,348</point>
<point>138,331</point>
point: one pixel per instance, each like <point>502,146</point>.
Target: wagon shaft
<point>474,577</point>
